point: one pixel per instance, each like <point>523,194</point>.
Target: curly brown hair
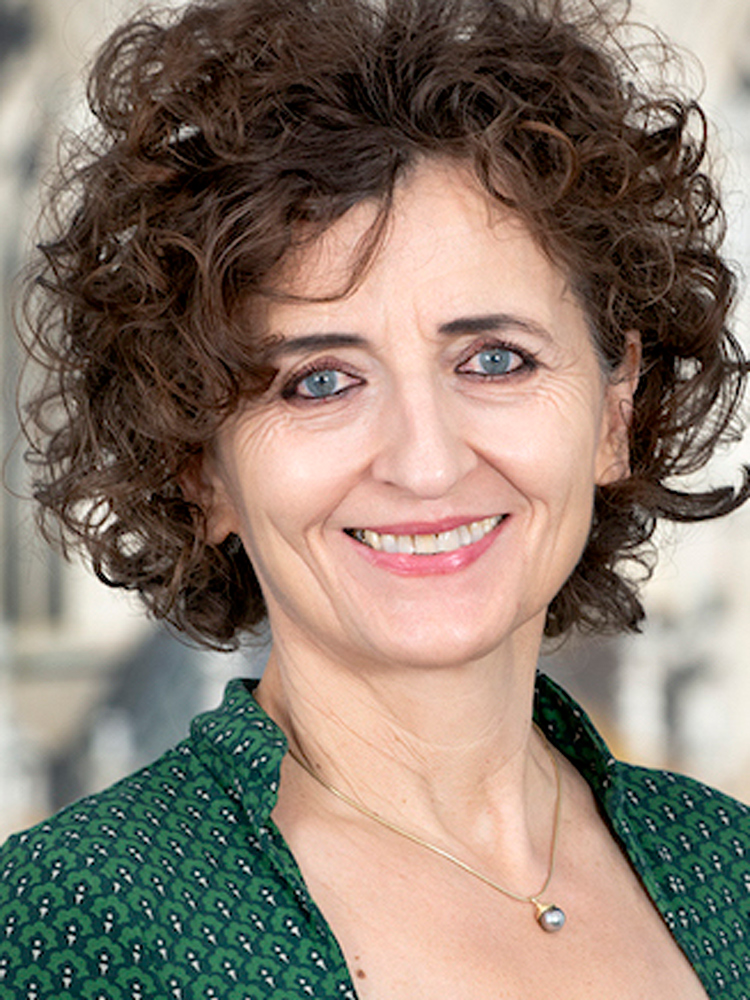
<point>231,131</point>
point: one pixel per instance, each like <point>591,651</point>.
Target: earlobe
<point>614,457</point>
<point>204,485</point>
<point>222,521</point>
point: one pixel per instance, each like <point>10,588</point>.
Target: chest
<point>413,926</point>
<point>414,932</point>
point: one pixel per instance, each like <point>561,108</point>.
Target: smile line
<point>427,544</point>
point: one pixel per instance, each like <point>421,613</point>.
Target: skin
<point>412,690</point>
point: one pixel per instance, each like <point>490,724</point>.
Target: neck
<point>451,748</point>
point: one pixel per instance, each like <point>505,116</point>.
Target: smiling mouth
<point>427,545</point>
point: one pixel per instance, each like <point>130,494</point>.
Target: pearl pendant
<point>550,917</point>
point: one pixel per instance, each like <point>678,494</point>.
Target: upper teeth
<point>428,545</point>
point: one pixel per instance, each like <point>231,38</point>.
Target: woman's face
<point>417,484</point>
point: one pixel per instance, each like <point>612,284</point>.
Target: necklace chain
<point>549,916</point>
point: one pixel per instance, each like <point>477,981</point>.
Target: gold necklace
<point>549,916</point>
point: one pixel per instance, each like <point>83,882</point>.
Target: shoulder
<point>92,889</point>
<point>123,835</point>
<point>173,882</point>
<point>696,839</point>
<point>162,804</point>
<point>654,800</point>
<point>690,845</point>
<point>678,806</point>
<point>188,804</point>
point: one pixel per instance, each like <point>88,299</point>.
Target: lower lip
<point>439,564</point>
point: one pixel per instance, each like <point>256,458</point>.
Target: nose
<point>423,449</point>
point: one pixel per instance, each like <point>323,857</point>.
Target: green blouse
<point>175,884</point>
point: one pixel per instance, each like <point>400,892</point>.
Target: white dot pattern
<point>175,883</point>
<point>689,843</point>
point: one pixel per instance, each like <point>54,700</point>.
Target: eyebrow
<point>493,322</point>
<point>314,342</point>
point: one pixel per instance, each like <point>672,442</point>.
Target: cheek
<point>548,449</point>
<point>287,481</point>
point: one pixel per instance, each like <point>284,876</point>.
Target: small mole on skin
<point>361,974</point>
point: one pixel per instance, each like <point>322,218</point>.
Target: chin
<point>432,647</point>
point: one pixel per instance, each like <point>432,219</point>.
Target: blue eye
<point>318,385</point>
<point>495,360</point>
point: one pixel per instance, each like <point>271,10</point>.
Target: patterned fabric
<point>175,884</point>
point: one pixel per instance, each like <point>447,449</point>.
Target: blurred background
<point>89,690</point>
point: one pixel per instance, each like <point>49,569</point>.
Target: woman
<point>397,323</point>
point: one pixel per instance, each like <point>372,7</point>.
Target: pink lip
<point>427,565</point>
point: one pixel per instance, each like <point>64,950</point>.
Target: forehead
<point>448,249</point>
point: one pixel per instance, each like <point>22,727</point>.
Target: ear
<point>203,484</point>
<point>613,457</point>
